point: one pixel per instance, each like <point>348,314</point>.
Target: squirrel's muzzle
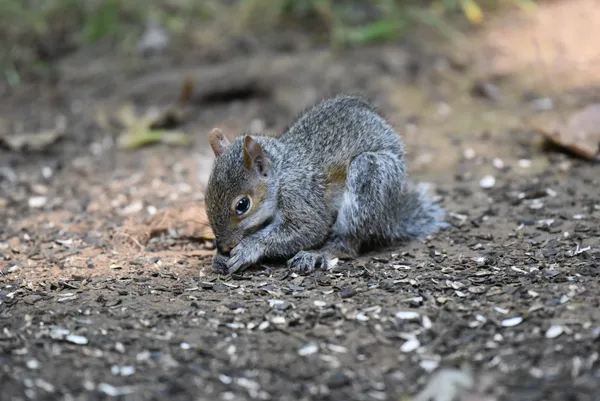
<point>223,249</point>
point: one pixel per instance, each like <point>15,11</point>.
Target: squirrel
<point>334,184</point>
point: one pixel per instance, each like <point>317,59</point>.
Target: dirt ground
<point>106,289</point>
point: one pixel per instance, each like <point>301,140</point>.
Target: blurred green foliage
<point>35,32</point>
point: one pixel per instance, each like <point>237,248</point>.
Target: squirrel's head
<point>239,199</point>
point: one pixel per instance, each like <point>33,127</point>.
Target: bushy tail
<point>419,215</point>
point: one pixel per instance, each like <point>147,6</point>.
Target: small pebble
<point>278,320</point>
<point>487,182</point>
<point>513,321</point>
<point>469,154</point>
<point>79,340</point>
<point>361,317</point>
<point>498,163</point>
<point>554,331</point>
<point>408,315</point>
<point>275,302</point>
<point>429,365</point>
<point>410,345</point>
<point>134,207</point>
<point>127,370</point>
<point>36,202</point>
<point>308,349</point>
<point>480,261</point>
<point>337,348</point>
<point>525,163</point>
<point>33,364</point>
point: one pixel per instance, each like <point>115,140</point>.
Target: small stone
<point>469,154</point>
<point>33,364</point>
<point>47,172</point>
<point>554,331</point>
<point>498,163</point>
<point>275,302</point>
<point>408,315</point>
<point>429,365</point>
<point>348,292</point>
<point>113,391</point>
<point>525,163</point>
<point>308,349</point>
<point>58,333</point>
<point>513,321</point>
<point>278,320</point>
<point>337,348</point>
<point>536,204</point>
<point>36,202</point>
<point>127,370</point>
<point>410,345</point>
<point>361,317</point>
<point>143,356</point>
<point>487,182</point>
<point>75,339</point>
<point>134,207</point>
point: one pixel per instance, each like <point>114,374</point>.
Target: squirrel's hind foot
<point>306,262</point>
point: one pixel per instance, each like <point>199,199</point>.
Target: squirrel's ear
<point>254,157</point>
<point>218,142</point>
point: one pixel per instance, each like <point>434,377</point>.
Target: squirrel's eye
<point>242,205</point>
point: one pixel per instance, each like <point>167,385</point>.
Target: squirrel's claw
<point>242,257</point>
<point>306,262</point>
<point>219,263</point>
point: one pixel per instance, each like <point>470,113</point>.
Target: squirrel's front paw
<point>219,263</point>
<point>306,262</point>
<point>243,256</point>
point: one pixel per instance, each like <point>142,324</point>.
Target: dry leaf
<point>142,130</point>
<point>35,141</point>
<point>580,133</point>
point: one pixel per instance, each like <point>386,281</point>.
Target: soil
<point>106,289</point>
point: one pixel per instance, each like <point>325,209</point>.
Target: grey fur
<point>303,220</point>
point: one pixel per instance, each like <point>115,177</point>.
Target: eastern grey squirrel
<point>332,185</point>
